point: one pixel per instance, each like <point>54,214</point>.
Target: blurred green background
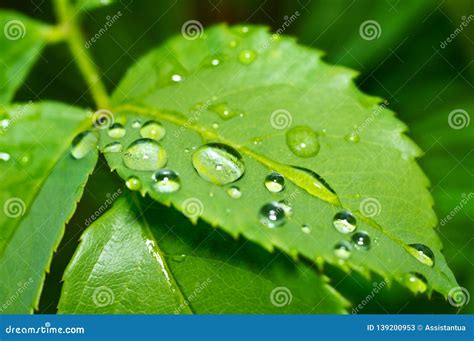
<point>422,79</point>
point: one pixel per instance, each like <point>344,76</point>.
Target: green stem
<point>67,20</point>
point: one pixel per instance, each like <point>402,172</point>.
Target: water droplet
<point>352,137</point>
<point>215,125</point>
<point>272,215</point>
<point>116,131</point>
<point>233,43</point>
<point>286,208</point>
<point>136,124</point>
<point>244,29</point>
<point>275,182</point>
<point>4,156</point>
<point>302,141</point>
<point>223,110</point>
<point>153,130</point>
<point>247,56</point>
<point>234,192</point>
<point>361,240</point>
<point>306,228</point>
<point>344,222</point>
<point>215,61</point>
<point>176,78</point>
<point>114,147</point>
<point>25,159</point>
<point>422,253</point>
<point>343,250</point>
<point>218,163</point>
<point>415,282</point>
<point>145,155</point>
<point>4,123</point>
<point>166,181</point>
<point>83,144</point>
<point>179,258</point>
<point>133,183</point>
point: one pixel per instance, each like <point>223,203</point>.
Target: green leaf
<point>21,43</point>
<point>41,184</point>
<point>132,261</point>
<point>261,79</point>
<point>88,5</point>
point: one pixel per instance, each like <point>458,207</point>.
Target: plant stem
<point>74,38</point>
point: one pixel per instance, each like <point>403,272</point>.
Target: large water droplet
<point>153,130</point>
<point>133,183</point>
<point>415,282</point>
<point>234,192</point>
<point>422,253</point>
<point>166,181</point>
<point>114,147</point>
<point>83,144</point>
<point>344,222</point>
<point>361,240</point>
<point>145,155</point>
<point>302,141</point>
<point>116,131</point>
<point>223,110</point>
<point>343,250</point>
<point>218,163</point>
<point>275,182</point>
<point>272,215</point>
<point>247,56</point>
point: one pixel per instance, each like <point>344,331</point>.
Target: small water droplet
<point>83,144</point>
<point>218,163</point>
<point>275,182</point>
<point>422,253</point>
<point>114,147</point>
<point>352,137</point>
<point>25,159</point>
<point>187,150</point>
<point>166,181</point>
<point>244,29</point>
<point>306,228</point>
<point>415,282</point>
<point>215,125</point>
<point>116,131</point>
<point>344,222</point>
<point>223,110</point>
<point>233,43</point>
<point>136,124</point>
<point>361,240</point>
<point>343,250</point>
<point>176,78</point>
<point>247,56</point>
<point>133,183</point>
<point>215,61</point>
<point>303,141</point>
<point>234,192</point>
<point>4,156</point>
<point>179,258</point>
<point>145,155</point>
<point>153,130</point>
<point>272,215</point>
<point>4,123</point>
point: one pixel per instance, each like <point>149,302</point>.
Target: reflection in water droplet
<point>422,253</point>
<point>343,250</point>
<point>145,155</point>
<point>215,61</point>
<point>234,192</point>
<point>4,156</point>
<point>166,181</point>
<point>83,144</point>
<point>306,228</point>
<point>416,282</point>
<point>116,131</point>
<point>223,110</point>
<point>114,147</point>
<point>302,141</point>
<point>218,163</point>
<point>352,137</point>
<point>272,215</point>
<point>361,240</point>
<point>247,56</point>
<point>275,182</point>
<point>176,78</point>
<point>133,183</point>
<point>136,124</point>
<point>153,130</point>
<point>344,222</point>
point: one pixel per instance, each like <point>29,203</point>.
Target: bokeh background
<point>408,62</point>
